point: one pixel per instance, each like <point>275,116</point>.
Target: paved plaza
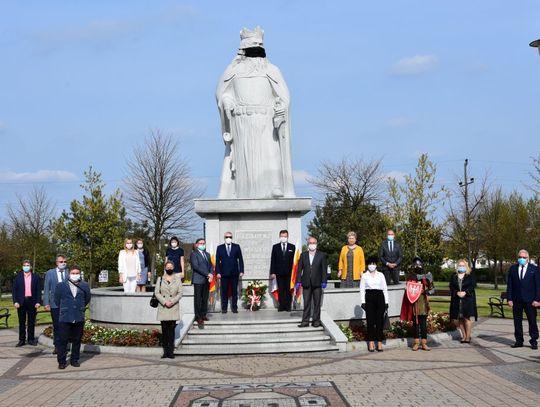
<point>485,373</point>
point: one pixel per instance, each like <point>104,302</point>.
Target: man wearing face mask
<point>201,265</point>
<point>229,268</point>
<point>391,257</point>
<point>523,294</point>
<point>72,296</point>
<point>26,299</point>
<point>281,263</point>
<point>52,278</point>
<point>312,277</point>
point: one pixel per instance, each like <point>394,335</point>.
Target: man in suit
<point>52,278</point>
<point>391,256</point>
<point>72,296</point>
<point>523,294</point>
<point>201,266</point>
<point>281,263</point>
<point>229,268</point>
<point>312,277</point>
<point>26,299</point>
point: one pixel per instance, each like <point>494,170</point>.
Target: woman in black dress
<point>463,299</point>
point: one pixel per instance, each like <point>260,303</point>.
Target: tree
<point>535,175</point>
<point>352,190</point>
<point>30,220</point>
<point>412,209</point>
<point>91,233</point>
<point>160,191</point>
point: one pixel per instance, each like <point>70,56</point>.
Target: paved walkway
<point>485,373</point>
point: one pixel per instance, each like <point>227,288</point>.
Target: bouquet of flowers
<point>254,295</point>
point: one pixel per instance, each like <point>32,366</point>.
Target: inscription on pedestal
<point>256,249</point>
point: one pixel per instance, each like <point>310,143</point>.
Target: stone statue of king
<point>253,103</point>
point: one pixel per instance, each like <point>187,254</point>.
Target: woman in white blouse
<point>129,267</point>
<point>374,301</point>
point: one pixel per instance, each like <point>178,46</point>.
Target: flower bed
<point>99,335</point>
<point>436,322</point>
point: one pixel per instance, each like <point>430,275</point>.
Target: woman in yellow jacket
<point>351,263</point>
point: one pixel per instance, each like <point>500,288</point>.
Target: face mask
<point>61,266</point>
<point>174,245</point>
<point>522,261</point>
<point>74,277</point>
<point>312,247</point>
<point>26,269</point>
<point>283,239</point>
<point>139,245</point>
<point>129,246</point>
<point>169,271</point>
<point>390,237</point>
<point>202,247</point>
<point>461,269</point>
<point>372,267</point>
<point>228,240</point>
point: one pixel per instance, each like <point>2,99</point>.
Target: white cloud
<point>399,121</point>
<point>301,177</point>
<point>397,175</point>
<point>415,65</point>
<point>37,176</point>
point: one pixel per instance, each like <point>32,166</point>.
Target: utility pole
<point>467,221</point>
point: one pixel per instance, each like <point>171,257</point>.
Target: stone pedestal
<point>255,224</point>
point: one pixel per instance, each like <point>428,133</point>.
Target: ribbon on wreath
<point>254,300</point>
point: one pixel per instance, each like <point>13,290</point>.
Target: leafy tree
<point>91,232</point>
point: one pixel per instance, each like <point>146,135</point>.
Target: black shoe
<point>534,346</point>
<point>316,324</point>
<point>171,356</point>
<point>517,345</point>
<point>163,356</point>
<point>288,310</point>
<point>303,325</point>
<point>75,363</point>
<point>280,310</point>
<point>223,311</point>
<point>62,365</point>
<point>20,343</point>
<point>235,311</point>
<point>55,351</point>
<point>33,342</point>
<point>205,318</point>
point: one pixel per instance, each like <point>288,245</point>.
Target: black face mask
<point>169,271</point>
<point>255,52</point>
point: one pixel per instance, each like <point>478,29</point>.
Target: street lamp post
<point>536,44</point>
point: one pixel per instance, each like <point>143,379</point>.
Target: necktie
<point>521,273</point>
<point>283,248</point>
<point>204,256</point>
<point>228,250</point>
<point>391,246</point>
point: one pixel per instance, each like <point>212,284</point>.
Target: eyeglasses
<point>228,237</point>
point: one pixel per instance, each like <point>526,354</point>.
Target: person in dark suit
<point>201,266</point>
<point>312,277</point>
<point>72,297</point>
<point>281,263</point>
<point>26,299</point>
<point>229,268</point>
<point>52,278</point>
<point>391,257</point>
<point>523,294</point>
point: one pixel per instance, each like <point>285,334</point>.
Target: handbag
<point>154,301</point>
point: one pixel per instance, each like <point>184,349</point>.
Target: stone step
<point>256,348</point>
<point>246,329</point>
<point>254,322</point>
<point>246,339</point>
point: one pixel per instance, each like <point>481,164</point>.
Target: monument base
<point>255,225</point>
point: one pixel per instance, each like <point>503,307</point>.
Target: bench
<point>496,304</point>
<point>440,293</point>
<point>5,314</point>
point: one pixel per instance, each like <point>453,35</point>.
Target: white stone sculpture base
<point>255,225</point>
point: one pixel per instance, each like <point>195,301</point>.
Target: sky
<point>82,83</point>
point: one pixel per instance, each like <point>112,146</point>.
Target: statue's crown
<point>251,38</point>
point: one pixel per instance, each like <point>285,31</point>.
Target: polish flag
<point>295,269</point>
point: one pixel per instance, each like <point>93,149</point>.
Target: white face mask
<point>61,266</point>
<point>312,247</point>
<point>228,240</point>
<point>283,239</point>
<point>74,277</point>
<point>129,246</point>
<point>139,245</point>
<point>174,244</point>
<point>372,267</point>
